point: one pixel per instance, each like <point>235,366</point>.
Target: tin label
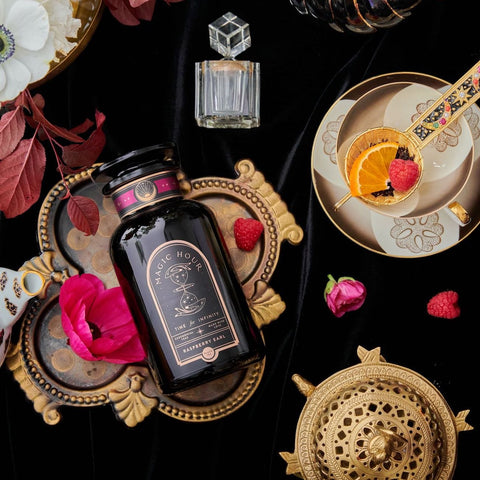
<point>189,303</point>
<point>146,191</point>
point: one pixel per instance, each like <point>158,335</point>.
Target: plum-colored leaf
<point>84,155</point>
<point>83,213</point>
<point>21,175</point>
<point>39,117</point>
<point>12,128</point>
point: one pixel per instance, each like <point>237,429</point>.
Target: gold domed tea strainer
<point>374,421</point>
<point>448,107</point>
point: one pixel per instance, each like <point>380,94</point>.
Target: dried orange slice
<point>369,172</point>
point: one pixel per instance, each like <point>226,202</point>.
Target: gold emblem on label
<point>145,191</point>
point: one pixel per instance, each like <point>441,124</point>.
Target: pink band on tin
<point>124,200</point>
<point>128,200</point>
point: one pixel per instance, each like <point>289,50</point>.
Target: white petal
<point>38,63</point>
<point>3,77</point>
<point>62,23</point>
<point>5,6</point>
<point>18,77</point>
<point>29,24</point>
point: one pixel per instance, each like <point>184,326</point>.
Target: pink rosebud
<point>345,295</point>
<point>98,322</point>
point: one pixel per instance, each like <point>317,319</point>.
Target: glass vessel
<point>176,274</point>
<point>227,91</point>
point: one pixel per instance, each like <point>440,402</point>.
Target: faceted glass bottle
<point>176,274</point>
<point>227,91</point>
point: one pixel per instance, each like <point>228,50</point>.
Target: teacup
<point>17,288</point>
<point>364,124</point>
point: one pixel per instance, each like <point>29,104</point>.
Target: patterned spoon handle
<point>446,109</point>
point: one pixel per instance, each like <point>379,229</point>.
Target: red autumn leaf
<point>137,3</point>
<point>12,128</point>
<point>37,115</point>
<point>84,155</point>
<point>83,213</point>
<point>39,101</point>
<point>83,127</point>
<point>126,14</point>
<point>145,11</point>
<point>21,100</point>
<point>21,175</point>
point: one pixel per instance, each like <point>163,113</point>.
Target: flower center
<point>7,44</point>
<point>96,332</point>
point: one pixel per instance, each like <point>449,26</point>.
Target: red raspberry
<point>444,305</point>
<point>247,231</point>
<point>403,174</point>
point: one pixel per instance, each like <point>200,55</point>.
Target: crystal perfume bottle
<point>227,91</point>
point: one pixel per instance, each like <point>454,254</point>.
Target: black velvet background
<point>142,79</point>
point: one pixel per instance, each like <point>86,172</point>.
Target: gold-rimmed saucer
<point>395,236</point>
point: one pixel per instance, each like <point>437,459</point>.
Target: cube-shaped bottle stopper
<point>229,35</point>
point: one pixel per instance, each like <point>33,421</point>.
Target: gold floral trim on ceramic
<point>418,235</point>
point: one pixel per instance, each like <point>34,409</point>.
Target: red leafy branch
<point>23,160</point>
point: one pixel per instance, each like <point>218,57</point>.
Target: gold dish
<point>89,12</point>
<point>374,421</point>
<point>52,376</point>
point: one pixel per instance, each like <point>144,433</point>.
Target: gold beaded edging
<point>230,186</point>
<point>43,232</point>
<point>250,188</point>
<point>222,409</point>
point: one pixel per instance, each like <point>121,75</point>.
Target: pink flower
<point>98,322</point>
<point>345,295</point>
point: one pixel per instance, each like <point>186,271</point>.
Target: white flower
<point>26,45</point>
<point>62,24</point>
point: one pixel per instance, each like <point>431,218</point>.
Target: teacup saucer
<point>373,230</point>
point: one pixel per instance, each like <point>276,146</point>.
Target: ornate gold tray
<point>49,372</point>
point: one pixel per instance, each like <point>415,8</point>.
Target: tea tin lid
<point>136,164</point>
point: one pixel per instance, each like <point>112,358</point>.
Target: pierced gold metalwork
<point>52,376</point>
<point>374,421</point>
